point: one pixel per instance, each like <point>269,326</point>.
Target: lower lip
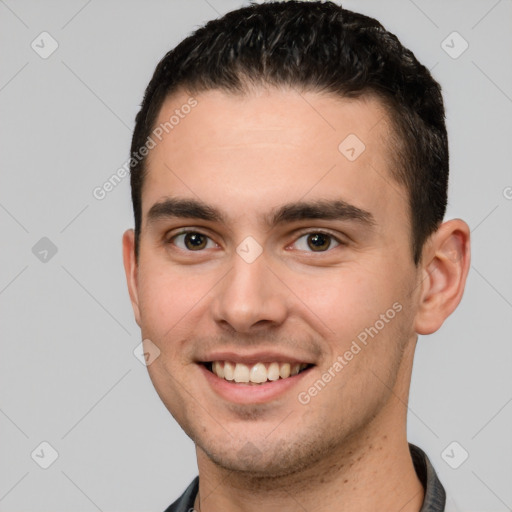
<point>251,394</point>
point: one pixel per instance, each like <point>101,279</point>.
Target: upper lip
<point>253,358</point>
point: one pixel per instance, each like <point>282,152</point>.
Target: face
<point>274,239</point>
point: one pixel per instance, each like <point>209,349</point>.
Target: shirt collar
<point>435,495</point>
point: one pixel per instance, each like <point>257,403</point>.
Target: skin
<point>246,156</point>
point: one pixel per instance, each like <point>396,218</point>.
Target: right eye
<point>192,241</point>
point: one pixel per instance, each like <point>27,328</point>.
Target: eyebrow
<point>184,208</point>
<point>291,212</point>
<point>320,209</point>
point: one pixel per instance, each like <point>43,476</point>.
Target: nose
<point>250,297</point>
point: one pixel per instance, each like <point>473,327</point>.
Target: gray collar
<point>435,495</point>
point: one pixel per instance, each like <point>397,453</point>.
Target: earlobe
<point>131,271</point>
<point>445,268</point>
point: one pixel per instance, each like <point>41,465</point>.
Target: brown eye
<point>316,242</point>
<point>192,241</point>
<point>319,242</point>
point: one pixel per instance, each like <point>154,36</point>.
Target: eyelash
<point>299,236</point>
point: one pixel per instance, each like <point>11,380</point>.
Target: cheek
<point>347,299</point>
<point>165,299</point>
<point>365,322</point>
<point>175,303</point>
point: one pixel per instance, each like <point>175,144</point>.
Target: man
<point>289,181</point>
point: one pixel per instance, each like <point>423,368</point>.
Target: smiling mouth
<point>258,373</point>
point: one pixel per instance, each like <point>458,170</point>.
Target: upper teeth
<point>257,373</point>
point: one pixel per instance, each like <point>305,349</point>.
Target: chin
<point>263,459</point>
<point>259,467</point>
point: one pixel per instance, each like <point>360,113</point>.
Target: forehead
<point>269,115</point>
<point>253,148</point>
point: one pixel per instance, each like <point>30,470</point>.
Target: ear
<point>131,270</point>
<point>445,262</point>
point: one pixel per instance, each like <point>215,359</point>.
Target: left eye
<point>316,242</point>
<point>193,241</point>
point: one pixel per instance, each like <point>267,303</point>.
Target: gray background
<point>68,375</point>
